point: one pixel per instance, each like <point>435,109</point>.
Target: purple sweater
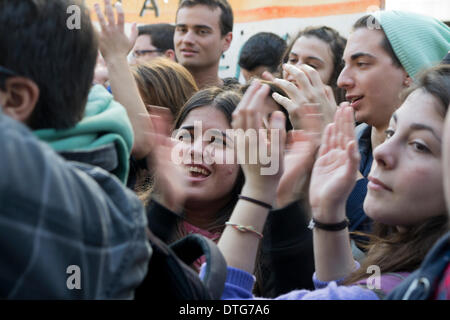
<point>239,285</point>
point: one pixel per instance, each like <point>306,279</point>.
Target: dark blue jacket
<point>422,283</point>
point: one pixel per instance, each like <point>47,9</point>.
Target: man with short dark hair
<point>262,52</point>
<point>203,33</point>
<point>154,40</point>
<point>70,229</point>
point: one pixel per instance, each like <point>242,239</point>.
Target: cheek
<point>418,194</point>
<point>325,75</point>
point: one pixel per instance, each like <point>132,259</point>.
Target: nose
<point>345,79</point>
<point>385,154</point>
<point>188,38</point>
<point>196,150</point>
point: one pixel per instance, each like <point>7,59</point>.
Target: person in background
<point>203,32</point>
<point>261,52</point>
<point>154,40</point>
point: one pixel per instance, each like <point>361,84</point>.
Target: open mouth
<point>196,171</point>
<point>354,100</point>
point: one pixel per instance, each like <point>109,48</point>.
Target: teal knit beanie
<point>419,41</point>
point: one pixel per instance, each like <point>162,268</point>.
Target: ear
<point>20,98</point>
<point>228,38</point>
<point>407,81</point>
<point>169,53</point>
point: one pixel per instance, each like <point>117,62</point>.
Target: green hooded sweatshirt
<point>105,121</point>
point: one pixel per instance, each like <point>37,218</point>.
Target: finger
<point>254,86</point>
<point>253,113</point>
<point>291,89</point>
<point>299,76</point>
<point>312,75</point>
<point>287,103</point>
<point>325,145</point>
<point>313,117</point>
<point>134,33</point>
<point>258,99</point>
<point>333,137</point>
<point>278,122</point>
<point>266,75</point>
<point>349,128</point>
<point>330,95</point>
<point>339,137</point>
<point>100,16</point>
<point>109,12</point>
<point>353,158</point>
<point>120,16</point>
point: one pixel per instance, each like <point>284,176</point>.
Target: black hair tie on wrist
<point>328,226</point>
<point>260,203</point>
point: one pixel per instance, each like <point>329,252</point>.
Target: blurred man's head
<point>262,52</point>
<point>203,32</point>
<point>154,40</point>
<point>51,66</point>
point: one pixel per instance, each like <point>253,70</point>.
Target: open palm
<point>334,173</point>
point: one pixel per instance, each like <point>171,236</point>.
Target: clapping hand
<point>335,171</point>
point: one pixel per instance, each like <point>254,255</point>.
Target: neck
<point>378,135</point>
<point>202,214</point>
<point>205,77</point>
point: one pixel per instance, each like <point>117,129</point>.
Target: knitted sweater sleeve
<point>239,283</point>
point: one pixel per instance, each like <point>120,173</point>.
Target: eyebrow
<point>420,126</point>
<point>361,54</point>
<point>197,26</point>
<point>190,128</point>
<point>357,55</point>
<point>308,58</point>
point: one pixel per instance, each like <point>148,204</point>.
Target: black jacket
<point>286,259</point>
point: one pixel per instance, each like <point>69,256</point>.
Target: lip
<point>377,185</point>
<point>197,179</point>
<point>188,52</point>
<point>354,104</point>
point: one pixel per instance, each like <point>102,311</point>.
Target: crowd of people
<point>331,160</point>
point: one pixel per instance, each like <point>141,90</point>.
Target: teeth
<point>198,170</point>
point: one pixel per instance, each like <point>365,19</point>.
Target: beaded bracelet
<point>242,228</point>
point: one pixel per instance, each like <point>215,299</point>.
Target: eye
<point>218,141</point>
<point>293,60</point>
<point>420,147</point>
<point>389,133</point>
<point>184,136</point>
<point>312,66</point>
<point>362,64</point>
<point>181,29</point>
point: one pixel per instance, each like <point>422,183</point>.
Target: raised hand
<point>262,177</point>
<point>335,171</point>
<point>170,179</point>
<point>115,46</point>
<point>308,88</point>
<point>113,40</point>
<point>299,157</point>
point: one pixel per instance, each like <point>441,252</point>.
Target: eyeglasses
<point>140,53</point>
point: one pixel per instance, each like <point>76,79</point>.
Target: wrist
<point>114,59</point>
<point>329,214</point>
<point>259,192</point>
